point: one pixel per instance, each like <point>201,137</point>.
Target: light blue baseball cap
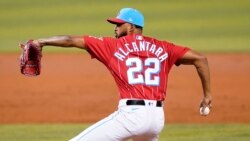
<point>128,15</point>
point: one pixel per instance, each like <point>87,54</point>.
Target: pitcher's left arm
<point>201,64</point>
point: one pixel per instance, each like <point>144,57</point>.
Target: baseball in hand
<point>204,112</point>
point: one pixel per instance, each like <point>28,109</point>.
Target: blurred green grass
<point>208,26</point>
<point>171,132</point>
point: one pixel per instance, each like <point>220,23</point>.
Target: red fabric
<point>139,64</point>
<point>115,21</point>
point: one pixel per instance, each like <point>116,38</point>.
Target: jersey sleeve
<point>98,48</point>
<point>175,53</point>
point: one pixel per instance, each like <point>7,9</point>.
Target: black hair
<point>137,26</point>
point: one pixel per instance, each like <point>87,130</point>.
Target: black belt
<point>142,102</point>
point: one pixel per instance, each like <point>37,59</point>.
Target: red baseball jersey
<point>139,64</point>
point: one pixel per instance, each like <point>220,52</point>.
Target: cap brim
<point>115,21</point>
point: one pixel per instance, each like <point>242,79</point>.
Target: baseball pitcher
<point>140,66</point>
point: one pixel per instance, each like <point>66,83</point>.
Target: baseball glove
<point>30,59</point>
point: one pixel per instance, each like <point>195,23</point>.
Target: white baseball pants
<point>136,122</point>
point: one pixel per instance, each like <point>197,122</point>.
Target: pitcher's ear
<point>131,28</point>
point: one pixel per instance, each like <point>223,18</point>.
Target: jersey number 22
<point>151,73</point>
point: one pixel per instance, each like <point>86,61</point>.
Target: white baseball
<point>205,112</point>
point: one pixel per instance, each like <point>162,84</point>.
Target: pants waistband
<point>140,102</point>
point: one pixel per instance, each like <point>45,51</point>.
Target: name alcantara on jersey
<point>141,47</point>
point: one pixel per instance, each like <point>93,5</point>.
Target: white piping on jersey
<point>144,95</point>
<point>119,68</point>
<point>165,79</point>
<point>131,95</point>
<point>143,91</point>
<point>152,92</point>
